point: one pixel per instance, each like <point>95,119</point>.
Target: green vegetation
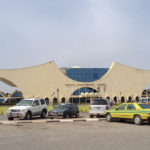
<point>50,107</point>
<point>3,109</point>
<point>84,107</point>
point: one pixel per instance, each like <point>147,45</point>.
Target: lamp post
<point>57,94</point>
<point>120,97</point>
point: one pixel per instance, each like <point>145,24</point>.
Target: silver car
<point>27,108</point>
<point>98,107</point>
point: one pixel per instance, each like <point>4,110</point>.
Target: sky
<point>86,33</point>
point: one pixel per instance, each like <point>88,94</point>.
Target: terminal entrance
<point>83,100</point>
<point>145,96</point>
<point>83,95</point>
<point>146,91</point>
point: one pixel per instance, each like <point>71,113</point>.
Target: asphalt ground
<point>82,115</point>
<point>99,135</point>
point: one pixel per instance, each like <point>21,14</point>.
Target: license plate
<point>99,108</point>
<point>13,115</point>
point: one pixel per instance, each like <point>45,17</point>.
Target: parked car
<point>64,110</point>
<point>27,108</point>
<point>98,107</point>
<point>145,100</point>
<point>137,112</point>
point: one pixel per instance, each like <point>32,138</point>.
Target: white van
<point>98,107</point>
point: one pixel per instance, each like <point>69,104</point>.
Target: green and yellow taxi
<point>138,112</point>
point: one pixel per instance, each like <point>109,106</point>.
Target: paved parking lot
<point>82,115</point>
<point>75,136</point>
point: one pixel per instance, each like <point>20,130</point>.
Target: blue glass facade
<point>16,94</point>
<point>85,74</point>
<point>1,100</point>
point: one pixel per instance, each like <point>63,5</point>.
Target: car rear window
<point>99,102</point>
<point>64,106</point>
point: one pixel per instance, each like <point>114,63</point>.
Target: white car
<point>145,100</point>
<point>27,108</point>
<point>98,107</point>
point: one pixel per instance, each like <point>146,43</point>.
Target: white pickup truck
<point>27,108</point>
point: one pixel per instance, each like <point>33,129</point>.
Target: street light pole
<point>57,94</point>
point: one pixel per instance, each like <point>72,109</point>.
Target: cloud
<point>88,33</point>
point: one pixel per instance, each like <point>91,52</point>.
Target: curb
<point>51,121</point>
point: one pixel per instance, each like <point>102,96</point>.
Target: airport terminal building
<point>118,83</point>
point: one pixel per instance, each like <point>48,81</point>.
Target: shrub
<point>83,107</point>
<point>3,109</point>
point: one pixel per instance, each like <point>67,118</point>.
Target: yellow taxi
<point>138,112</point>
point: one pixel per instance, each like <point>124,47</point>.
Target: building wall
<point>47,80</point>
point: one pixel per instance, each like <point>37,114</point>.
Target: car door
<point>36,108</point>
<point>43,104</point>
<point>130,110</point>
<point>71,110</point>
<point>120,111</point>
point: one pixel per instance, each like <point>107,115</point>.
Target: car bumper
<point>148,119</point>
<point>54,115</point>
<point>97,114</point>
<point>16,114</point>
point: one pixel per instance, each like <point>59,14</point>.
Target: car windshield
<point>144,106</point>
<point>63,106</point>
<point>99,102</point>
<point>25,103</point>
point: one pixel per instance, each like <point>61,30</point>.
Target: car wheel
<point>97,116</point>
<point>43,115</point>
<point>28,116</point>
<point>108,117</point>
<point>64,115</point>
<point>137,120</point>
<point>91,116</point>
<point>10,118</point>
<point>122,120</point>
<point>77,115</point>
